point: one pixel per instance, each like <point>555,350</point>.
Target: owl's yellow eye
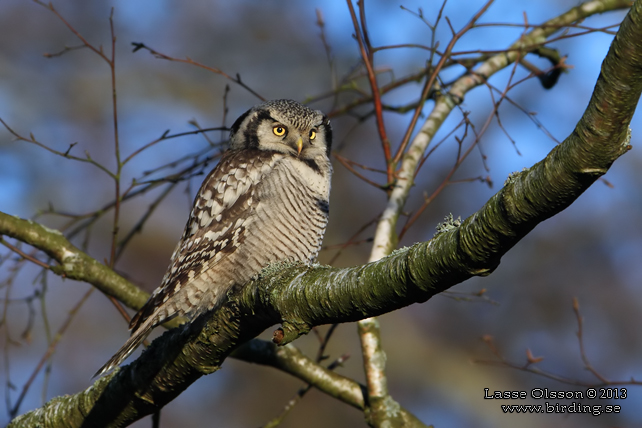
<point>279,131</point>
<point>313,134</point>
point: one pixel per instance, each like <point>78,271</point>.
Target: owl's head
<point>283,126</point>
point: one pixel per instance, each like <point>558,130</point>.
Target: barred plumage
<point>266,201</point>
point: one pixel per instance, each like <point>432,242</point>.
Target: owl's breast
<point>289,220</point>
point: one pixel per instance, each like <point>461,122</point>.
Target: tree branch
<point>386,238</point>
<point>73,263</point>
<point>290,360</point>
<point>301,297</point>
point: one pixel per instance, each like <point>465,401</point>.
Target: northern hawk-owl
<point>265,201</point>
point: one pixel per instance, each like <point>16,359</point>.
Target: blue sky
<point>66,100</point>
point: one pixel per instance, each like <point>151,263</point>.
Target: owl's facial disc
<point>289,139</point>
<point>283,126</point>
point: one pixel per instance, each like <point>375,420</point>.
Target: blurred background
<point>591,251</point>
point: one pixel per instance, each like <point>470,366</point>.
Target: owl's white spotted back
<point>266,201</point>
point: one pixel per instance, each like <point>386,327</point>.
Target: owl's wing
<point>214,230</point>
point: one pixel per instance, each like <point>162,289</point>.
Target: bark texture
<point>301,297</point>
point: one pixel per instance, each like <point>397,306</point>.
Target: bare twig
<point>31,139</point>
<point>348,164</point>
<point>64,51</point>
<point>361,34</point>
<point>580,339</point>
<point>23,254</point>
<point>50,350</point>
<point>433,76</point>
<point>119,164</point>
<point>188,60</point>
<point>531,361</point>
<point>300,394</point>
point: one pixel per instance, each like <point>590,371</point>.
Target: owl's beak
<point>299,146</point>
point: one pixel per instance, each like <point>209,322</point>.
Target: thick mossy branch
<point>302,297</point>
<point>171,364</point>
<point>73,263</point>
<point>310,296</point>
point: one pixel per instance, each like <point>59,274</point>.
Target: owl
<point>267,200</point>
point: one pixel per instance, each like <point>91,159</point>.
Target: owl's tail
<point>132,343</point>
